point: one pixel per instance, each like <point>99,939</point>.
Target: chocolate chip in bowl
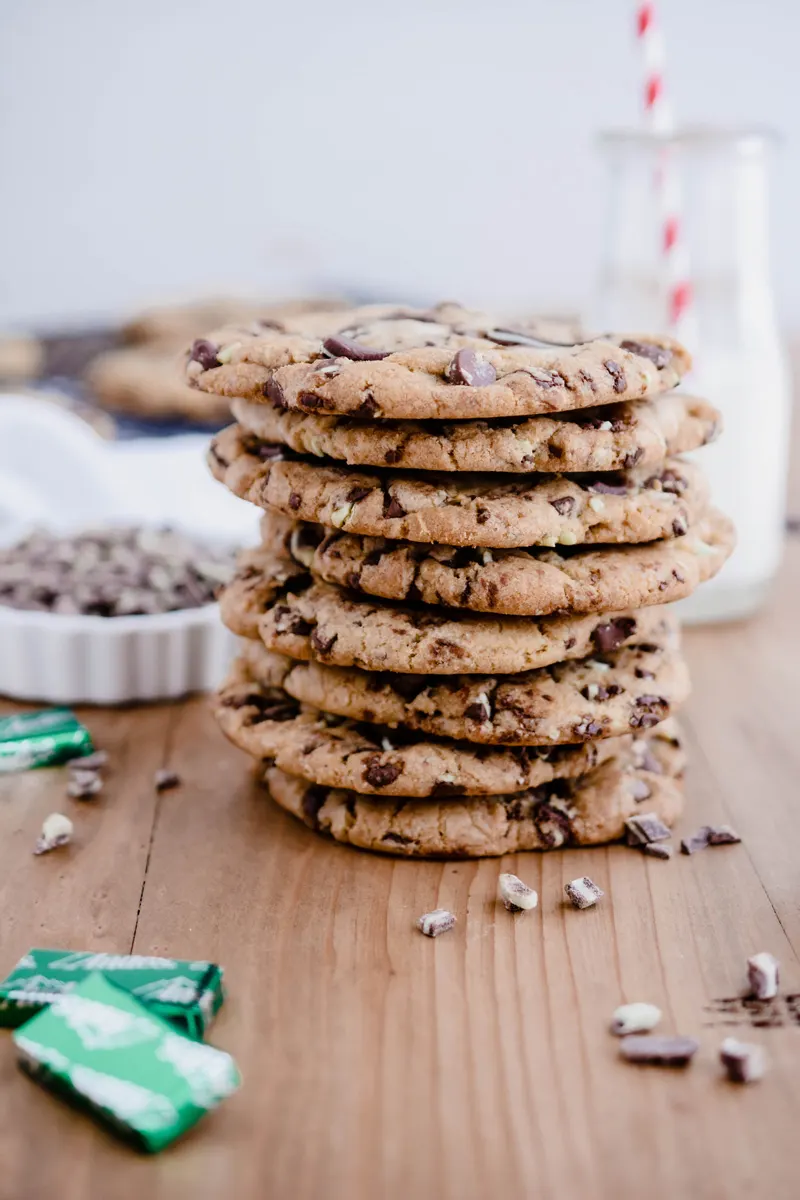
<point>110,615</point>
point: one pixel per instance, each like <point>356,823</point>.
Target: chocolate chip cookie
<point>607,695</point>
<point>534,581</point>
<point>336,752</point>
<point>586,811</point>
<point>639,505</point>
<point>322,622</point>
<point>447,363</point>
<point>615,437</point>
<point>146,381</point>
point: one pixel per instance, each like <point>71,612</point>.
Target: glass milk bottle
<point>729,326</point>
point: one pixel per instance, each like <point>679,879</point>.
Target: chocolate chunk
<point>518,337</point>
<point>358,493</point>
<point>295,500</point>
<point>310,401</point>
<point>657,850</point>
<point>436,922</point>
<point>583,892</point>
<point>205,353</point>
<point>645,828</point>
<point>763,974</point>
<point>612,634</point>
<point>660,1051</point>
<point>164,780</point>
<point>368,406</point>
<point>83,785</point>
<point>516,895</point>
<point>617,374</point>
<point>274,392</point>
<point>680,526</point>
<point>380,774</point>
<point>479,710</point>
<point>710,835</point>
<point>323,643</point>
<point>743,1061</point>
<point>313,799</point>
<point>656,354</point>
<point>670,481</point>
<point>397,839</point>
<point>392,507</point>
<point>608,489</point>
<point>470,368</point>
<point>342,347</point>
<point>587,728</point>
<point>392,456</point>
<point>563,505</point>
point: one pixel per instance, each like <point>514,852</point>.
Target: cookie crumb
<point>659,1051</point>
<point>83,785</point>
<point>763,974</point>
<point>635,1018</point>
<point>516,895</point>
<point>583,892</point>
<point>57,831</point>
<point>164,779</point>
<point>436,922</point>
<point>744,1062</point>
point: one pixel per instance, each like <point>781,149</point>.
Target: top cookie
<point>445,363</point>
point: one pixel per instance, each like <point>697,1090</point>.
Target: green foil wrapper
<point>187,994</point>
<point>102,1050</point>
<point>42,739</point>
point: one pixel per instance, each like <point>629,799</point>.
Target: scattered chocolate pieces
<point>710,835</point>
<point>57,831</point>
<point>83,785</point>
<point>660,1051</point>
<point>436,922</point>
<point>635,1018</point>
<point>646,828</point>
<point>744,1062</point>
<point>583,892</point>
<point>111,573</point>
<point>516,895</point>
<point>763,975</point>
<point>164,779</point>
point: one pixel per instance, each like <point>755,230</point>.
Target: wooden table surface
<point>382,1065</point>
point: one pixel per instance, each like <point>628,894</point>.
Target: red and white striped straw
<point>660,120</point>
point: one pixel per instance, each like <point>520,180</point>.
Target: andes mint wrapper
<point>42,739</point>
<point>102,1050</point>
<point>187,994</point>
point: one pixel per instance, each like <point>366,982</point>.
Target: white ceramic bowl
<point>111,660</point>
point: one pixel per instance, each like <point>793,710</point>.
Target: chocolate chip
<point>368,406</point>
<point>518,337</point>
<point>323,643</point>
<point>763,974</point>
<point>274,392</point>
<point>373,558</point>
<point>660,1051</point>
<point>617,374</point>
<point>743,1061</point>
<point>482,515</point>
<point>710,835</point>
<point>397,839</point>
<point>392,456</point>
<point>205,353</point>
<point>583,892</point>
<point>650,710</point>
<point>313,799</point>
<point>587,728</point>
<point>656,354</point>
<point>479,710</point>
<point>646,827</point>
<point>270,708</point>
<point>641,673</point>
<point>436,922</point>
<point>671,481</point>
<point>295,500</point>
<point>657,850</point>
<point>443,788</point>
<point>633,457</point>
<point>164,780</point>
<point>83,785</point>
<point>545,379</point>
<point>392,507</point>
<point>608,489</point>
<point>358,493</point>
<point>563,505</point>
<point>680,526</point>
<point>341,347</point>
<point>310,400</point>
<point>380,774</point>
<point>612,634</point>
<point>470,368</point>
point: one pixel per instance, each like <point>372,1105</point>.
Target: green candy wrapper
<point>102,1050</point>
<point>187,994</point>
<point>42,739</point>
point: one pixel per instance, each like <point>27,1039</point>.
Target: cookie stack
<point>455,639</point>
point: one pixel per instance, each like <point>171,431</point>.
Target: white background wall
<point>430,147</point>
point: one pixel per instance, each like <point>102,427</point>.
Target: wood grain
<point>381,1064</point>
